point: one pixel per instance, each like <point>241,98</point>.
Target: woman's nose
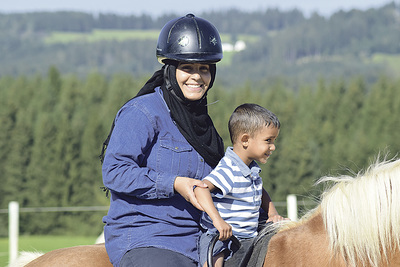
<point>196,75</point>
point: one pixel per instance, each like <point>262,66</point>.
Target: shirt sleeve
<point>220,178</point>
<point>124,169</point>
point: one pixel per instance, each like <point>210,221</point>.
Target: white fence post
<point>13,232</point>
<point>292,207</point>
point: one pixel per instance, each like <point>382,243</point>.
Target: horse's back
<point>88,256</point>
<point>304,245</point>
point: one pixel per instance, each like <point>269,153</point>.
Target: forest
<point>333,82</point>
<point>53,127</point>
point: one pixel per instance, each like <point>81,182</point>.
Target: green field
<point>389,60</point>
<point>100,35</point>
<point>122,35</point>
<point>43,244</point>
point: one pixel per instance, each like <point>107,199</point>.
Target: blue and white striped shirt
<point>238,199</point>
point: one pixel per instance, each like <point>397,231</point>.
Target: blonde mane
<point>362,213</point>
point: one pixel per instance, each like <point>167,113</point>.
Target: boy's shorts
<point>205,240</point>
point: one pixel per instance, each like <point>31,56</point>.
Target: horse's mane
<point>362,213</point>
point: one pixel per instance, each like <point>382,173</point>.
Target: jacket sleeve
<point>124,167</point>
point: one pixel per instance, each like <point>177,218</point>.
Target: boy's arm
<point>203,196</point>
<point>268,206</point>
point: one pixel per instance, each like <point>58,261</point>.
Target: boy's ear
<point>244,139</point>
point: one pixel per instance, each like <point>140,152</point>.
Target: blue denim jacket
<point>145,154</point>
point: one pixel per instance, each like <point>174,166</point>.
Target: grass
<point>122,35</point>
<point>99,35</point>
<point>43,244</point>
<point>390,60</point>
<point>247,38</point>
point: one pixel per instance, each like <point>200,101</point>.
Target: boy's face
<point>262,143</point>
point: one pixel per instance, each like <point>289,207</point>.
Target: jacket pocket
<point>175,145</point>
<point>175,157</point>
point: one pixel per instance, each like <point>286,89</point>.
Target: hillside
<point>277,44</point>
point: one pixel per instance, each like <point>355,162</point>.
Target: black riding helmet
<point>189,39</point>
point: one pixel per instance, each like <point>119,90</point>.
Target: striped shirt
<point>238,199</point>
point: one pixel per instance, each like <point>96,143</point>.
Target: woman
<point>162,144</point>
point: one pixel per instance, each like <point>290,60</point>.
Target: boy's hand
<point>276,218</point>
<point>224,229</point>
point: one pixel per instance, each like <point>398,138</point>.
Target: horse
<point>85,255</point>
<point>356,223</point>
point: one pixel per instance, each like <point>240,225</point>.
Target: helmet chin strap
<point>168,84</point>
<point>166,78</point>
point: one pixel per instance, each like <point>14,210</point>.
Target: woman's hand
<point>185,185</point>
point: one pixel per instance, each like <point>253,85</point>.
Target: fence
<point>14,210</point>
<point>13,221</point>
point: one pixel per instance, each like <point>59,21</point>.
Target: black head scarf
<point>191,117</point>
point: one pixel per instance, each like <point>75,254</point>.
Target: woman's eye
<point>186,68</point>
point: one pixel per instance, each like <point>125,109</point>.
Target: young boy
<point>235,184</point>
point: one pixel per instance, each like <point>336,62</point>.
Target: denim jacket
<point>145,154</point>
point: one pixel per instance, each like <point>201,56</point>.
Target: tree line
<point>230,21</point>
<point>53,127</point>
<point>302,49</point>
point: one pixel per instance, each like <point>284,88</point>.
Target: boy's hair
<point>249,118</point>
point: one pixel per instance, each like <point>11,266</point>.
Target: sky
<point>158,7</point>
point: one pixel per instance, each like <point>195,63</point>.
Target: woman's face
<point>193,79</point>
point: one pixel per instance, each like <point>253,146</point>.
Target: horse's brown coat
<point>87,256</point>
<point>304,245</point>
